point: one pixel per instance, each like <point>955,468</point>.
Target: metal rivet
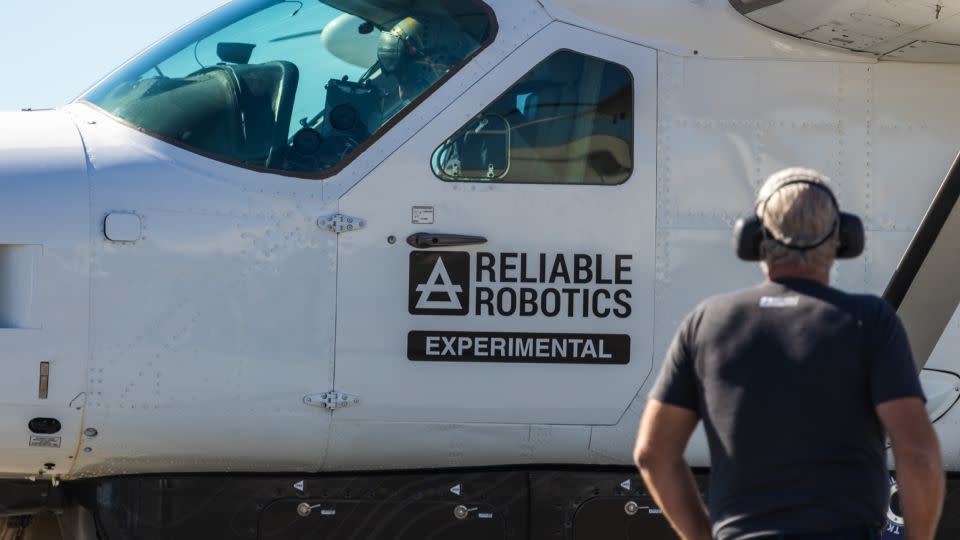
<point>461,512</point>
<point>631,508</point>
<point>391,239</point>
<point>91,432</point>
<point>88,449</point>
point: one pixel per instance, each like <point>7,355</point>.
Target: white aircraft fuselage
<point>176,312</point>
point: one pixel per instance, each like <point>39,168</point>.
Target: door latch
<point>432,240</point>
<point>339,223</point>
<point>331,400</point>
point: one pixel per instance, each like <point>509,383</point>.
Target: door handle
<point>434,240</point>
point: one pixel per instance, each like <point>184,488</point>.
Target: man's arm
<point>916,453</point>
<point>664,432</point>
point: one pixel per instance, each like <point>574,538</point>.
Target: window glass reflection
<point>293,85</point>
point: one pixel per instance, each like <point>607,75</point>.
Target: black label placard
<point>534,348</point>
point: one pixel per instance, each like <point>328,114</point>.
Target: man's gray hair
<point>798,214</point>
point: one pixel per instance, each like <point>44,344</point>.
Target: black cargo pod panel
<point>295,519</point>
<point>621,518</point>
<point>441,506</point>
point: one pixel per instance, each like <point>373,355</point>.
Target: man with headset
<point>797,383</point>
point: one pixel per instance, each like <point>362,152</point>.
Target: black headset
<point>749,232</point>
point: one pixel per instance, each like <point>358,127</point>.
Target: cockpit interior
<point>289,85</point>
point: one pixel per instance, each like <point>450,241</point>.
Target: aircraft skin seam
<point>336,326</point>
<point>91,243</point>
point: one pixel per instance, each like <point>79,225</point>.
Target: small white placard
<point>779,301</point>
<point>44,441</point>
<point>423,215</point>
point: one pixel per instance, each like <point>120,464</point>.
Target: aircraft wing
<point>905,30</point>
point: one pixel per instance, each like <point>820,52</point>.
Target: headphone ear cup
<point>852,237</point>
<point>747,237</point>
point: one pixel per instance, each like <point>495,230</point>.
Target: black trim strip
<point>747,6</point>
<point>926,235</point>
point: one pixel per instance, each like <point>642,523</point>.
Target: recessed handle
<point>436,240</point>
<point>122,227</point>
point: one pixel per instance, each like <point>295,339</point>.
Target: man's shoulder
<point>876,310</point>
<point>720,306</point>
<point>868,305</point>
<point>744,296</point>
<point>776,294</point>
<point>870,300</point>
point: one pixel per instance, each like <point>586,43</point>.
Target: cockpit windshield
<point>293,85</point>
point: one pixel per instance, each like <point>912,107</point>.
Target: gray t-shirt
<point>786,377</point>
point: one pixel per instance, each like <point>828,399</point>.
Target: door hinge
<point>332,400</point>
<point>339,223</point>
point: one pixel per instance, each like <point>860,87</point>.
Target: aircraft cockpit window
<point>296,85</point>
<point>568,121</point>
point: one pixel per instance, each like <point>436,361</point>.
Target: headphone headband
<point>749,232</point>
<point>806,247</point>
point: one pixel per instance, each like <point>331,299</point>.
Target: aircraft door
<point>213,311</point>
<point>505,273</point>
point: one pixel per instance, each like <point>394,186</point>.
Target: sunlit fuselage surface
<point>516,202</point>
<point>292,86</point>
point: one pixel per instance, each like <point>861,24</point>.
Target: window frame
<point>633,128</point>
<point>357,152</point>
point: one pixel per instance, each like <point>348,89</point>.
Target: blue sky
<point>52,50</point>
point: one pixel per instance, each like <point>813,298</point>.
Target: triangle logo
<point>299,486</point>
<point>457,489</point>
<point>439,283</point>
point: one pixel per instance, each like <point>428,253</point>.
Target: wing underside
<point>897,30</point>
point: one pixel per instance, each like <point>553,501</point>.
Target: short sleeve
<point>893,374</point>
<point>677,382</point>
